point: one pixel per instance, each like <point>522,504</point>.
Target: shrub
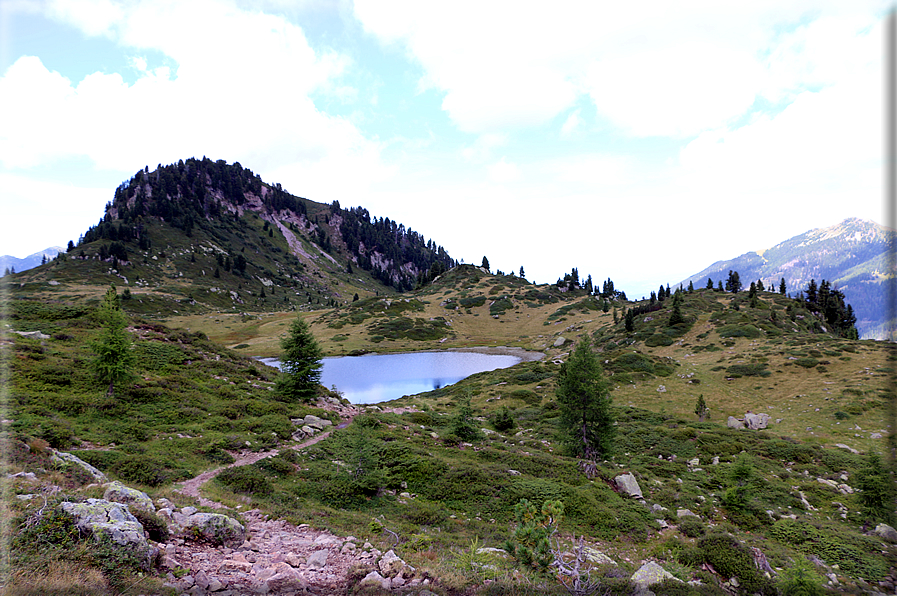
<point>503,420</point>
<point>800,579</point>
<point>530,397</point>
<point>731,559</point>
<point>140,469</point>
<point>659,339</point>
<point>421,418</point>
<point>748,331</point>
<point>244,479</point>
<point>692,527</point>
<point>806,362</point>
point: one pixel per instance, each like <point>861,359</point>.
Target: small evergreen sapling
<point>701,409</point>
<point>300,363</point>
<point>531,542</point>
<point>113,360</point>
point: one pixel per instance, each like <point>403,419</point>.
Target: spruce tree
<point>709,285</point>
<point>782,287</point>
<point>586,419</point>
<point>701,409</point>
<point>113,360</point>
<point>300,363</point>
<point>485,264</point>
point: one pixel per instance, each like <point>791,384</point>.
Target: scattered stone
<point>559,342</point>
<point>756,421</point>
<point>597,557</point>
<point>649,574</point>
<point>212,527</point>
<point>733,422</point>
<point>391,564</point>
<point>886,532</point>
<point>629,485</point>
<point>318,559</point>
<point>680,513</point>
<point>374,577</point>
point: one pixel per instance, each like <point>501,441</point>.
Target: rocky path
<point>276,557</point>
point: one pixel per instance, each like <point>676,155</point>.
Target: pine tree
<point>733,283</point>
<point>586,420</point>
<point>709,285</point>
<point>691,287</point>
<point>522,274</point>
<point>113,360</point>
<point>676,317</point>
<point>782,287</point>
<point>701,409</point>
<point>300,363</point>
<point>485,264</point>
<point>629,320</point>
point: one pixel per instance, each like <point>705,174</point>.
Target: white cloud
<point>571,124</point>
<point>64,209</point>
<point>659,69</point>
<point>94,17</point>
<point>503,171</point>
<point>240,91</point>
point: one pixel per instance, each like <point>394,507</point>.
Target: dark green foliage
<point>800,579</point>
<point>244,479</point>
<point>300,363</point>
<point>856,555</point>
<point>416,329</point>
<point>748,331</point>
<point>503,420</point>
<point>463,425</point>
<point>586,422</point>
<point>530,544</point>
<point>156,528</point>
<point>143,469</point>
<point>701,409</point>
<point>877,490</point>
<point>692,527</point>
<point>731,559</point>
<point>113,360</point>
<point>806,362</point>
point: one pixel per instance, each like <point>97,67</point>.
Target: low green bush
<point>247,480</point>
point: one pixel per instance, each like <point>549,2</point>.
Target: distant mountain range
<point>852,255</point>
<point>29,262</point>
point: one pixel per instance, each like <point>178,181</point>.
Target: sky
<point>636,141</point>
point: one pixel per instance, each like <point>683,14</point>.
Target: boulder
<point>315,422</point>
<point>63,460</point>
<point>597,557</point>
<point>391,564</point>
<point>756,421</point>
<point>133,498</point>
<point>886,532</point>
<point>215,528</point>
<point>649,574</point>
<point>629,485</point>
<point>104,519</point>
<point>733,422</point>
<point>318,559</point>
<point>680,513</point>
<point>559,342</point>
<point>375,578</point>
<point>285,580</point>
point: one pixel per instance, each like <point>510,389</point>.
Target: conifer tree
<point>113,361</point>
<point>300,363</point>
<point>782,287</point>
<point>586,420</point>
<point>701,409</point>
<point>485,264</point>
<point>709,285</point>
<point>691,287</point>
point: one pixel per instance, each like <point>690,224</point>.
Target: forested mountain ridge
<point>210,234</point>
<point>852,255</point>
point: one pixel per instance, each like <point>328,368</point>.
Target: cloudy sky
<point>638,141</point>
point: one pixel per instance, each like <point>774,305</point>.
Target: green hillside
<point>853,255</point>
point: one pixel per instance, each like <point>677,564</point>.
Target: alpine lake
<point>376,378</point>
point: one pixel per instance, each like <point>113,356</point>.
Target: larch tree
<point>300,363</point>
<point>113,358</point>
<point>583,393</point>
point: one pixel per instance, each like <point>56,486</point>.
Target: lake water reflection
<point>376,378</point>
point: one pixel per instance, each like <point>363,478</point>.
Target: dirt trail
<point>277,557</point>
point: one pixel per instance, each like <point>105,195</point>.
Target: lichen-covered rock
<point>104,519</point>
<point>597,557</point>
<point>391,564</point>
<point>886,532</point>
<point>133,498</point>
<point>63,459</point>
<point>756,421</point>
<point>650,573</point>
<point>629,485</point>
<point>212,527</point>
<point>375,578</point>
<point>733,422</point>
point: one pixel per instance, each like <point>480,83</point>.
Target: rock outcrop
<point>133,498</point>
<point>104,519</point>
<point>63,459</point>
